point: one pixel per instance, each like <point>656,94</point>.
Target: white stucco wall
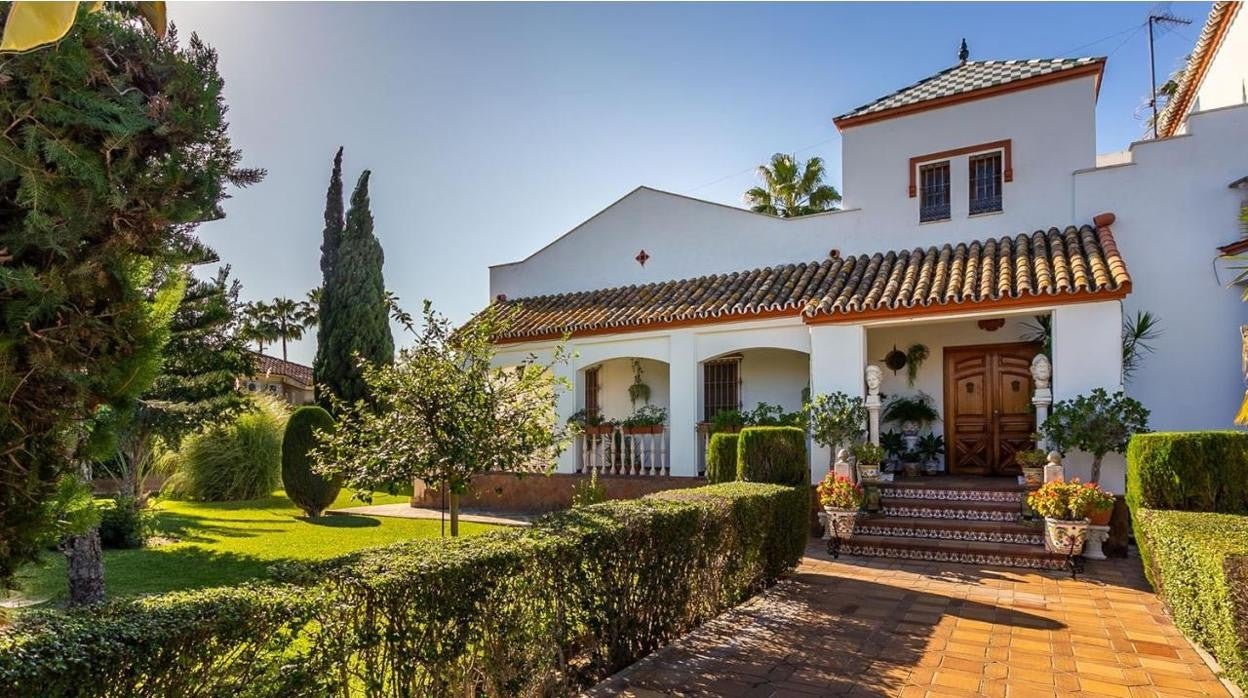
<point>1226,82</point>
<point>1174,209</point>
<point>614,378</point>
<point>774,376</point>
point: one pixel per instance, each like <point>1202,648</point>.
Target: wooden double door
<point>988,412</point>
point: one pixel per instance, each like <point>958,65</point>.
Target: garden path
<point>880,627</point>
<point>407,511</point>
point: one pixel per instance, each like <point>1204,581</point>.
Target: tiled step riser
<point>901,509</point>
<point>904,532</point>
<point>972,558</point>
<point>902,494</point>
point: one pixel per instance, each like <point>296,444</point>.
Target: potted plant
<point>727,422</point>
<point>869,456</point>
<point>638,391</point>
<point>768,415</point>
<point>591,424</point>
<point>835,420</point>
<point>931,447</point>
<point>841,498</point>
<point>1097,502</point>
<point>894,446</point>
<point>1098,423</point>
<point>913,413</point>
<point>1064,512</point>
<point>646,420</point>
<point>1032,463</point>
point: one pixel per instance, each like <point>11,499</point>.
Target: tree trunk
<point>84,559</point>
<point>454,514</point>
<point>1096,469</point>
<point>85,563</point>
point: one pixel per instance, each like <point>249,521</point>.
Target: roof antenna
<point>963,52</point>
<point>1157,18</point>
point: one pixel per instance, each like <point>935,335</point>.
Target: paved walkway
<point>877,627</point>
<point>406,511</point>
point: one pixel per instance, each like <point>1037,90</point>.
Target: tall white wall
<point>774,376</point>
<point>837,360</point>
<point>1174,209</point>
<point>1226,82</point>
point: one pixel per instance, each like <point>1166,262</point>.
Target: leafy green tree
<point>1097,423</point>
<point>791,189</point>
<point>836,420</point>
<point>443,413</point>
<point>114,148</point>
<point>354,327</point>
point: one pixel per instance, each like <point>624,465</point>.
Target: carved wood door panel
<point>988,411</point>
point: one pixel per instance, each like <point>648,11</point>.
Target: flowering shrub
<point>839,492</point>
<point>1091,498</point>
<point>1067,501</point>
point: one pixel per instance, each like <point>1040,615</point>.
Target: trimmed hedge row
<point>1198,563</point>
<point>773,454</point>
<point>1189,471</point>
<point>721,458</point>
<point>541,610</point>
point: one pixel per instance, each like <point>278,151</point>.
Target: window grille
<point>985,179</point>
<point>721,386</point>
<point>934,192</point>
<point>591,392</point>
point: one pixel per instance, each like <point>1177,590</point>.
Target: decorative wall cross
<point>642,257</point>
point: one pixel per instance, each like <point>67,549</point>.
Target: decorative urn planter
<point>911,468</point>
<point>867,471</point>
<point>931,466</point>
<point>1065,537</point>
<point>840,522</point>
<point>1033,477</point>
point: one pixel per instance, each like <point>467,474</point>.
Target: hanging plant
<point>638,391</point>
<point>915,357</point>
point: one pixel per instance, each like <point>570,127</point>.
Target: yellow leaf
<point>154,13</point>
<point>34,24</point>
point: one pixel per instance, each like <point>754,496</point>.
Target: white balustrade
<point>619,452</point>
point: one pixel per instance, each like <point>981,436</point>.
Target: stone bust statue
<point>874,377</point>
<point>1041,370</point>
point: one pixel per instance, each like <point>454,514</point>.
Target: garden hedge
<point>721,458</point>
<point>1198,563</point>
<point>773,454</point>
<point>534,611</point>
<point>1189,471</point>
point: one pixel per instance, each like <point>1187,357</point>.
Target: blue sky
<point>491,129</point>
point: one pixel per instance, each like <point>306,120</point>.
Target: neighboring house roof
<point>273,366</point>
<point>1216,26</point>
<point>971,80</point>
<point>1045,267</point>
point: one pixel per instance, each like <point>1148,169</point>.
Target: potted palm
<point>868,456</point>
<point>646,420</point>
<point>931,447</point>
<point>913,413</point>
<point>894,446</point>
<point>1064,512</point>
<point>841,498</point>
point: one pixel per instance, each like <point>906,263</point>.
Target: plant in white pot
<point>1065,515</point>
<point>841,499</point>
<point>1032,461</point>
<point>868,457</point>
<point>913,413</point>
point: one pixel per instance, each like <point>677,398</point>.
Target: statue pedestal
<point>1096,536</point>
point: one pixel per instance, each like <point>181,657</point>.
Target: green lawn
<point>229,542</point>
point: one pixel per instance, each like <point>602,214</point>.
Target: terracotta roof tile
<point>1057,263</point>
<point>271,365</point>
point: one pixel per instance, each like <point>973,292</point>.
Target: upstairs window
<point>721,386</point>
<point>934,192</point>
<point>591,392</point>
<point>985,180</point>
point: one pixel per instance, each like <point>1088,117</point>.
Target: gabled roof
<point>1216,26</point>
<point>272,366</point>
<point>1042,268</point>
<point>971,80</point>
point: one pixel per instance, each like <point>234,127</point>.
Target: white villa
<point>974,202</point>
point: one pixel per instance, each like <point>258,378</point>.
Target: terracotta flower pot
<point>644,429</point>
<point>599,429</point>
<point>1102,517</point>
<point>1066,537</point>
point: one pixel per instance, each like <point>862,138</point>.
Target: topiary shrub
<point>310,491</point>
<point>773,454</point>
<point>721,458</point>
<point>1189,471</point>
<point>1198,563</point>
<point>124,523</point>
<point>240,459</point>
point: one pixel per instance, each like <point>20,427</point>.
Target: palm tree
<point>310,308</point>
<point>257,325</point>
<point>288,319</point>
<point>791,189</point>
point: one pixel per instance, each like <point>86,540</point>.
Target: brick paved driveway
<point>898,628</point>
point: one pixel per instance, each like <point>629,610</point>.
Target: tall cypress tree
<point>353,318</point>
<point>331,237</point>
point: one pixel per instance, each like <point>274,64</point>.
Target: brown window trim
<point>1007,160</point>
